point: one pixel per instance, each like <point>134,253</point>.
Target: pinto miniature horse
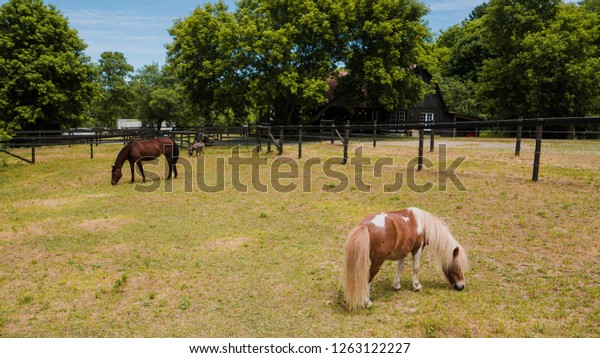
<point>392,236</point>
<point>197,147</point>
<point>138,151</point>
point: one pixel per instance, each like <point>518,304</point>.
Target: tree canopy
<point>46,81</point>
<point>115,96</point>
<point>525,58</point>
<point>267,52</point>
<point>509,58</point>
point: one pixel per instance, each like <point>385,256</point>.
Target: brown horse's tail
<point>355,276</point>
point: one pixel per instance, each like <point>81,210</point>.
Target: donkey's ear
<point>455,252</point>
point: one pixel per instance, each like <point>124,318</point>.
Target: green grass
<point>81,258</point>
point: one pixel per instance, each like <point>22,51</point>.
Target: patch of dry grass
<point>80,258</point>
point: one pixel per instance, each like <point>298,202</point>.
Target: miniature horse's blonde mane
<point>440,240</point>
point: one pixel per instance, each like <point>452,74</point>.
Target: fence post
<point>258,141</point>
<point>538,151</point>
<point>320,132</point>
<point>374,133</point>
<point>519,135</point>
<point>32,151</point>
<point>332,134</point>
<point>91,149</point>
<point>269,140</point>
<point>280,140</point>
<point>346,140</point>
<point>432,141</point>
<point>300,141</point>
<point>421,137</point>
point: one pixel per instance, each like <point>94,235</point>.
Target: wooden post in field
<point>32,152</point>
<point>91,148</point>
<point>519,135</point>
<point>269,140</point>
<point>320,132</point>
<point>421,137</point>
<point>346,141</point>
<point>280,147</point>
<point>300,141</point>
<point>374,133</point>
<point>432,140</point>
<point>332,134</point>
<point>538,150</point>
<point>258,141</point>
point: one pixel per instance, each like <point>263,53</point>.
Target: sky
<point>139,28</point>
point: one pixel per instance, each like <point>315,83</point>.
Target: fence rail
<point>266,134</point>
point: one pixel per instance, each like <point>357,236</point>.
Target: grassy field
<point>81,258</point>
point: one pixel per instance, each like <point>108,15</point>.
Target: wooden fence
<point>277,136</point>
<point>332,132</point>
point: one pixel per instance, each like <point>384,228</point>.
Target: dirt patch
<point>227,244</point>
<point>104,224</point>
<point>53,203</point>
<point>48,203</point>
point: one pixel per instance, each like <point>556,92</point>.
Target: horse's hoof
<point>418,288</point>
<point>396,287</point>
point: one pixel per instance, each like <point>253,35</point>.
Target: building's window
<point>427,118</point>
<point>397,118</point>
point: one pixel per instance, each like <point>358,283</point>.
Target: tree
<point>204,56</point>
<point>293,48</point>
<point>543,59</point>
<point>591,5</point>
<point>478,12</point>
<point>561,63</point>
<point>386,43</point>
<point>115,94</point>
<point>280,54</point>
<point>467,50</point>
<point>46,81</point>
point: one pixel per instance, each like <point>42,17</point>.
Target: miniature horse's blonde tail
<point>355,276</point>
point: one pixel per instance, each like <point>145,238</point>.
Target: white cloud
<point>92,18</point>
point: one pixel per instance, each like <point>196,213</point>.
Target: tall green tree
<point>462,51</point>
<point>114,100</point>
<point>543,59</point>
<point>591,5</point>
<point>158,98</point>
<point>46,81</point>
<point>293,47</point>
<point>204,56</point>
<point>270,54</point>
<point>386,44</point>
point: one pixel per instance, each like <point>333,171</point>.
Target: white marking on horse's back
<point>379,220</point>
<point>405,218</point>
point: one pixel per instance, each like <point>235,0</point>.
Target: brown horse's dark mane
<point>122,156</point>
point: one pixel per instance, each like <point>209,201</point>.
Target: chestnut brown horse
<point>138,151</point>
<point>392,236</point>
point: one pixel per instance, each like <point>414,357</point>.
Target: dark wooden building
<point>431,110</point>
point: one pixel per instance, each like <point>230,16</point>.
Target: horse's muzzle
<point>458,286</point>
